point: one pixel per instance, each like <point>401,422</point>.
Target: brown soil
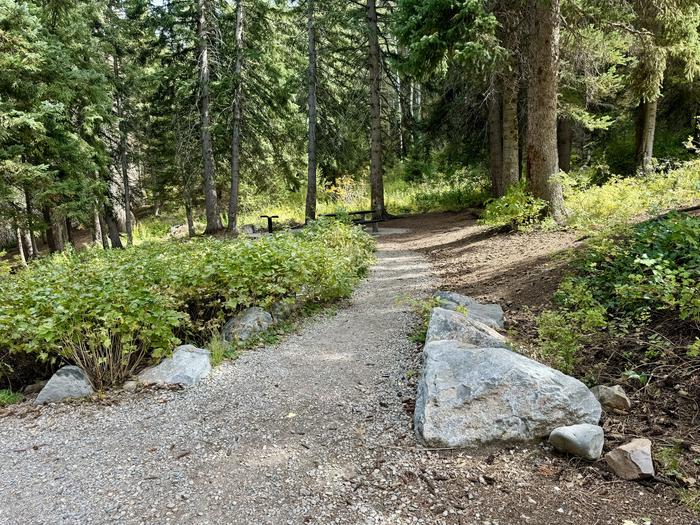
<point>521,271</point>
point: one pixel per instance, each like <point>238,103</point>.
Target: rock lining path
<point>286,434</point>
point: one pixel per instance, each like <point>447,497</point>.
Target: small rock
<point>187,366</point>
<point>612,397</point>
<point>68,382</point>
<point>34,388</point>
<point>179,231</point>
<point>489,314</point>
<point>632,461</point>
<point>250,322</point>
<point>130,386</point>
<point>583,440</point>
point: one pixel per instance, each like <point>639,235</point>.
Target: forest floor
<point>318,429</point>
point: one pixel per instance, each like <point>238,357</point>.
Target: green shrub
<point>517,209</point>
<point>627,282</point>
<point>109,310</point>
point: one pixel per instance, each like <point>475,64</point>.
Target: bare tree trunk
<point>123,159</point>
<point>236,134</point>
<point>69,232</point>
<point>20,247</point>
<point>646,129</point>
<point>312,164</point>
<point>406,105</point>
<point>542,157</point>
<point>375,75</point>
<point>190,220</point>
<point>30,223</point>
<point>511,162</point>
<point>104,229</point>
<point>211,200</point>
<point>565,135</point>
<point>53,232</point>
<point>97,238</point>
<point>112,227</point>
<point>496,144</point>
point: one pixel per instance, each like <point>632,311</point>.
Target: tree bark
<point>646,129</point>
<point>542,156</point>
<point>69,232</point>
<point>312,163</point>
<point>375,76</point>
<point>20,247</point>
<point>123,158</point>
<point>211,201</point>
<point>97,238</point>
<point>104,229</point>
<point>511,163</point>
<point>565,135</point>
<point>190,220</point>
<point>406,105</point>
<point>113,228</point>
<point>236,134</point>
<point>495,126</point>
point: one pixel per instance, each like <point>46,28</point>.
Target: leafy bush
<point>643,278</point>
<point>619,201</point>
<point>110,310</point>
<point>517,209</point>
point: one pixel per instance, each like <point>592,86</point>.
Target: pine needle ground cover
<point>135,305</point>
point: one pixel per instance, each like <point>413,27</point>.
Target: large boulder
<point>452,325</point>
<point>187,366</point>
<point>489,314</point>
<point>472,396</point>
<point>584,440</point>
<point>249,323</point>
<point>68,382</point>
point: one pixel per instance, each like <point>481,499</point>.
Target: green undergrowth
<point>110,311</point>
<point>8,397</point>
<point>637,290</point>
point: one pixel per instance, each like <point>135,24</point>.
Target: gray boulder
<point>471,396</point>
<point>248,229</point>
<point>69,382</point>
<point>632,461</point>
<point>249,323</point>
<point>283,309</point>
<point>187,366</point>
<point>612,397</point>
<point>452,325</point>
<point>489,314</point>
<point>585,441</point>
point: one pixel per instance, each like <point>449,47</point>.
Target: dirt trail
<point>314,430</point>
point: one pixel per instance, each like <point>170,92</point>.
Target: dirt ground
<point>521,271</point>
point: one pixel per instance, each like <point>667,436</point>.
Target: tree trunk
<point>30,223</point>
<point>646,128</point>
<point>123,159</point>
<point>97,238</point>
<point>190,220</point>
<point>113,228</point>
<point>211,200</point>
<point>104,230</point>
<point>406,106</point>
<point>565,135</point>
<point>69,232</point>
<point>20,247</point>
<point>511,163</point>
<point>375,76</point>
<point>542,157</point>
<point>312,164</point>
<point>236,134</point>
<point>496,144</point>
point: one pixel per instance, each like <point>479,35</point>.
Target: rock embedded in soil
<point>452,325</point>
<point>247,324</point>
<point>67,383</point>
<point>612,397</point>
<point>489,314</point>
<point>584,440</point>
<point>632,461</point>
<point>472,396</point>
<point>187,366</point>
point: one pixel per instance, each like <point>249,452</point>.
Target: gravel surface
<point>314,430</point>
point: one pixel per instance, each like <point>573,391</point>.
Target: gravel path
<point>287,434</point>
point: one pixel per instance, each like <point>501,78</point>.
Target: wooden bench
<point>361,220</point>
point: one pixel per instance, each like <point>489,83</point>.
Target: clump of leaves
<point>109,310</point>
<point>8,397</point>
<point>517,210</point>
